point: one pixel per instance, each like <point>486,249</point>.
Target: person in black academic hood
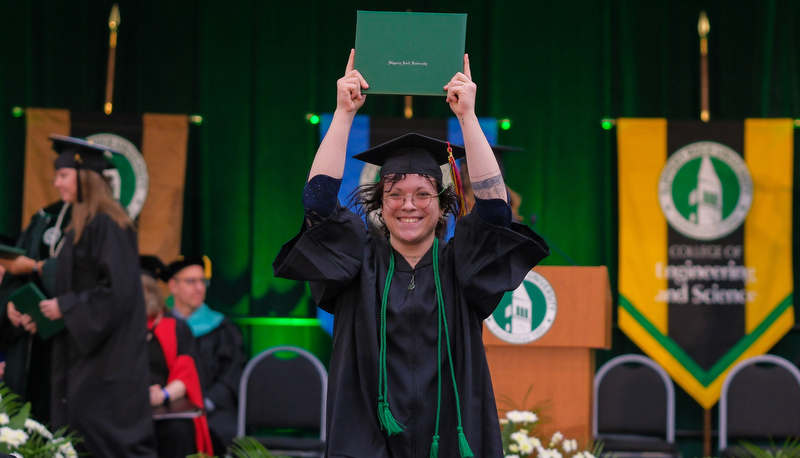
<point>408,373</point>
<point>100,366</point>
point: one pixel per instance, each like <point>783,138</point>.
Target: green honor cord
<point>463,446</point>
<point>385,417</point>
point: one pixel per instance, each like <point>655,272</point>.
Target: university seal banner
<point>148,179</point>
<point>705,243</point>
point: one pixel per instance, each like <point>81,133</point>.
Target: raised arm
<point>484,173</point>
<point>331,154</point>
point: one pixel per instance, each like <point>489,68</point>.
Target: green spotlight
<point>312,118</point>
<point>608,123</point>
<point>505,124</point>
<point>17,112</point>
<point>196,119</point>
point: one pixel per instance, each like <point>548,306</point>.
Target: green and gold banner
<point>705,243</point>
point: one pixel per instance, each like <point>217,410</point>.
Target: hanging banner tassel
<point>463,446</point>
<point>456,177</point>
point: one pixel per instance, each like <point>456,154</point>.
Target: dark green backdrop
<point>253,69</point>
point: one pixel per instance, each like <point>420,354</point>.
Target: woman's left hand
<point>461,91</point>
<point>23,265</point>
<point>50,309</point>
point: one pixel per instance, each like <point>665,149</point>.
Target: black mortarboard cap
<point>183,262</point>
<point>152,266</point>
<point>77,153</point>
<point>411,153</point>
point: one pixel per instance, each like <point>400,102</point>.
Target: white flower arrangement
<point>520,440</point>
<point>22,436</point>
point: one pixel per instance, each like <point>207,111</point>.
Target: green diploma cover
<point>26,300</point>
<point>409,53</point>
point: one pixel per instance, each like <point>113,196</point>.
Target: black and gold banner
<point>705,243</point>
<point>149,176</point>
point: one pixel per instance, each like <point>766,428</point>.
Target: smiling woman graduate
<point>100,370</point>
<point>408,373</point>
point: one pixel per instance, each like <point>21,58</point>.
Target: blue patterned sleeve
<point>320,198</point>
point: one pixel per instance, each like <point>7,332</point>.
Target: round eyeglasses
<point>420,199</point>
<point>192,282</point>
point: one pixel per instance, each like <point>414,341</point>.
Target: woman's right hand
<point>13,315</point>
<point>348,88</point>
<point>27,323</point>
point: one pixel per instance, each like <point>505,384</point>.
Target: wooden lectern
<point>559,366</point>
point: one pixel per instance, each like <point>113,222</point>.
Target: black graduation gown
<point>175,438</point>
<point>27,370</point>
<point>100,365</point>
<point>347,268</point>
<point>220,364</point>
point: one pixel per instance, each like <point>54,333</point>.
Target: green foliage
<point>9,403</point>
<point>789,449</point>
<point>507,404</point>
<point>26,437</point>
<point>244,447</point>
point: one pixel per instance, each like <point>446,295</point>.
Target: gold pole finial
<point>113,18</point>
<point>703,26</point>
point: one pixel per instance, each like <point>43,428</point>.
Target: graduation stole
<point>385,417</point>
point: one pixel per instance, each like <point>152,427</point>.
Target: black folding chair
<point>283,393</point>
<point>759,403</point>
<point>634,409</point>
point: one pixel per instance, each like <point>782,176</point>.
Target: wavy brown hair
<point>368,198</point>
<point>97,198</point>
<point>153,299</point>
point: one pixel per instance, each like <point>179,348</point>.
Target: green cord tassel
<point>387,420</point>
<point>435,447</point>
<point>463,446</point>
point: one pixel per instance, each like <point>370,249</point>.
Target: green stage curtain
<point>254,68</point>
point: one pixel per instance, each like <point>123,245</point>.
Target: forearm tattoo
<point>492,187</point>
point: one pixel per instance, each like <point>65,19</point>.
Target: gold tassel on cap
<point>456,177</point>
<point>207,267</point>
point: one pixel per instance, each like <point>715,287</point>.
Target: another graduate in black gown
<point>100,366</point>
<point>409,307</point>
<point>28,356</point>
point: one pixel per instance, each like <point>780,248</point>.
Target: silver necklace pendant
<point>51,236</point>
